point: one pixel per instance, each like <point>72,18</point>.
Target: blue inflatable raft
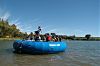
<point>39,47</point>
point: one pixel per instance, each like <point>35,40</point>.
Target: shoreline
<point>63,39</point>
<point>10,38</point>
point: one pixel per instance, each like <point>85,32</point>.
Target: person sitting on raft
<point>48,37</point>
<point>56,38</point>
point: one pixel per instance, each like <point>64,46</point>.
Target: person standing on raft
<point>39,29</point>
<point>37,34</point>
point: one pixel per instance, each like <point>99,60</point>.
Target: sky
<point>68,17</point>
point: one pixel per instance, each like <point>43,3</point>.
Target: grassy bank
<point>10,38</point>
<point>90,39</point>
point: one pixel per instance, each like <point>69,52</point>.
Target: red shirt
<point>48,38</point>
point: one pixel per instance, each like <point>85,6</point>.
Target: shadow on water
<point>15,52</point>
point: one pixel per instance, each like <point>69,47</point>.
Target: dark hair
<point>36,32</point>
<point>47,33</point>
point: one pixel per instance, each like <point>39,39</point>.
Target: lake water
<point>79,53</point>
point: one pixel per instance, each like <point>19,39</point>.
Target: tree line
<point>10,31</point>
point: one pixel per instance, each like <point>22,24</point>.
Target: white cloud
<point>18,24</point>
<point>19,27</point>
<point>14,21</point>
<point>5,16</point>
<point>30,27</point>
<point>52,30</point>
<point>46,27</point>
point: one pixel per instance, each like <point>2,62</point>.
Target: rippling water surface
<point>79,53</point>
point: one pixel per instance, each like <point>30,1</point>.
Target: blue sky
<point>68,17</point>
